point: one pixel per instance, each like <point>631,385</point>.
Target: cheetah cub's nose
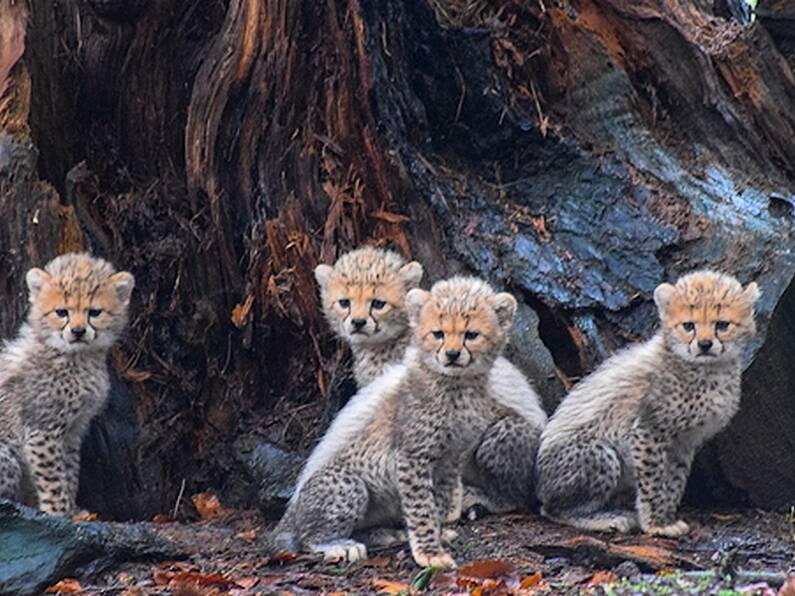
<point>358,324</point>
<point>452,355</point>
<point>78,332</point>
<point>704,345</point>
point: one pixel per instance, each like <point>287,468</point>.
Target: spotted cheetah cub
<point>397,448</point>
<point>633,426</point>
<point>364,299</point>
<point>54,378</point>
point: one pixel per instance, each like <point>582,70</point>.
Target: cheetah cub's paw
<point>678,528</point>
<point>440,560</point>
<point>341,550</point>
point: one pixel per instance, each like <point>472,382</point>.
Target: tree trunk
<point>577,153</point>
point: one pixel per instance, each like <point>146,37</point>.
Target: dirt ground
<point>728,552</point>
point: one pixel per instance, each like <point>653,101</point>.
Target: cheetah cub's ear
<point>663,295</point>
<point>504,305</point>
<point>323,275</point>
<point>123,282</point>
<point>752,293</point>
<point>415,300</point>
<point>36,279</point>
<point>410,273</point>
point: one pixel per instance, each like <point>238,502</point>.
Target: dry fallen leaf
<point>486,569</point>
<point>208,506</point>
<point>162,519</point>
<point>65,586</point>
<point>603,577</point>
<point>282,557</point>
<point>385,586</point>
<point>531,581</point>
<point>490,587</point>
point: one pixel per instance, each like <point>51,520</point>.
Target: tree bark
<point>577,153</point>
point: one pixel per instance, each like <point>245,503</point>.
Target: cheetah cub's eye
<point>94,312</point>
<point>689,326</point>
<point>377,304</point>
<point>471,335</point>
<point>438,334</point>
<point>62,312</point>
<point>345,303</point>
<point>722,325</point>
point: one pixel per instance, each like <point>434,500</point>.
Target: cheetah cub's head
<point>461,325</point>
<point>78,302</point>
<point>364,294</point>
<point>707,317</point>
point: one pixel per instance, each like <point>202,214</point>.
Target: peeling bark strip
<point>576,152</point>
<point>14,86</point>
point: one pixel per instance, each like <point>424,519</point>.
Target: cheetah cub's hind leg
<point>582,486</point>
<point>501,476</point>
<point>329,507</point>
<point>10,474</point>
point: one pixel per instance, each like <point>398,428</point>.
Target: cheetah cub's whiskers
<point>54,377</point>
<point>632,428</point>
<point>395,452</point>
<point>364,300</point>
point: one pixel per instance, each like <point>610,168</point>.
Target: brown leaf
<point>531,580</point>
<point>162,519</point>
<point>386,586</point>
<point>208,506</point>
<point>65,586</point>
<point>200,579</point>
<point>603,577</point>
<point>282,557</point>
<point>241,312</point>
<point>655,556</point>
<point>486,569</point>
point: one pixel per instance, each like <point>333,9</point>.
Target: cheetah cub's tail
<point>283,537</point>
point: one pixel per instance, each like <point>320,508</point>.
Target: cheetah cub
<point>396,450</point>
<point>364,300</point>
<point>54,378</point>
<point>633,426</point>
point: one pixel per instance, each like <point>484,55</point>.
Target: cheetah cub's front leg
<point>661,482</point>
<point>45,455</point>
<point>421,513</point>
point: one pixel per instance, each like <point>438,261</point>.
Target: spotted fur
<point>54,378</point>
<point>396,451</point>
<point>500,475</point>
<point>629,431</point>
